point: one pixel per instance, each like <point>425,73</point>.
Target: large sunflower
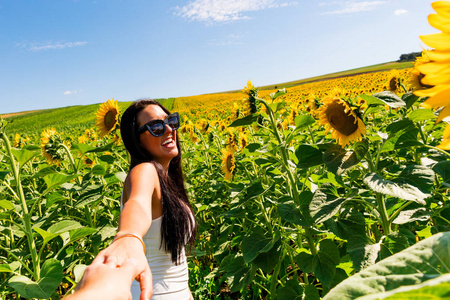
<point>228,164</point>
<point>107,116</point>
<point>337,115</point>
<point>437,71</point>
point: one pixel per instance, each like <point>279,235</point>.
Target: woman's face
<point>162,148</point>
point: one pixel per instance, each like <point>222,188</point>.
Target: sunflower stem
<point>437,149</point>
<point>72,161</point>
<point>26,216</point>
<point>383,214</point>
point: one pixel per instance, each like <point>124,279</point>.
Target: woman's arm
<point>142,183</point>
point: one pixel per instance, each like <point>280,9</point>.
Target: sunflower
<point>107,116</point>
<point>393,81</point>
<point>416,76</point>
<point>243,140</point>
<point>228,164</point>
<point>337,115</point>
<point>51,146</point>
<point>252,94</point>
<point>437,71</point>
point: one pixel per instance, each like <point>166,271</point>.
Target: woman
<point>156,212</point>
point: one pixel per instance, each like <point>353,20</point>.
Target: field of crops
<point>334,189</point>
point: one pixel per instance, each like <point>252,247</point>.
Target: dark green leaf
<point>394,242</point>
<point>409,99</point>
<point>443,169</point>
<point>305,262</point>
<point>308,156</point>
<point>324,205</point>
<point>268,260</point>
<point>248,120</point>
<point>64,226</point>
<point>98,170</point>
<point>56,179</point>
<point>23,155</point>
<point>338,160</point>
<point>372,101</point>
<point>3,174</point>
<point>412,215</point>
<point>419,176</point>
<point>292,290</point>
<point>290,213</point>
<point>254,244</point>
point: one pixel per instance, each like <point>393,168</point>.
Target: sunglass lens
<point>174,122</point>
<point>157,129</point>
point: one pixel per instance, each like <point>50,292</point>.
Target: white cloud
<point>399,12</point>
<point>231,39</point>
<point>351,7</point>
<point>71,92</point>
<point>211,11</point>
<point>52,45</point>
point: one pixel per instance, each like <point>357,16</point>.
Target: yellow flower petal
<point>439,22</point>
<point>441,7</point>
<point>440,99</point>
<point>437,78</point>
<point>432,91</point>
<point>432,67</point>
<point>445,112</point>
<point>438,41</point>
<point>439,56</point>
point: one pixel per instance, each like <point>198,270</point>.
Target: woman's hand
<point>124,249</point>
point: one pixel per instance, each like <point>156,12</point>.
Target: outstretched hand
<point>122,251</point>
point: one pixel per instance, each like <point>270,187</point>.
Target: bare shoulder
<point>142,179</point>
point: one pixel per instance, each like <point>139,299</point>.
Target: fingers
<point>130,268</point>
<point>145,279</point>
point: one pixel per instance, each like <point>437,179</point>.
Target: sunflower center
<point>110,119</point>
<point>229,163</point>
<point>341,121</point>
<point>393,84</point>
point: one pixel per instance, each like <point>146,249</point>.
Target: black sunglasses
<point>158,127</point>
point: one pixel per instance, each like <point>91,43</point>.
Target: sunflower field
<point>335,189</point>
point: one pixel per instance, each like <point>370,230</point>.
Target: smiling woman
<point>156,212</point>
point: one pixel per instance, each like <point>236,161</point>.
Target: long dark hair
<point>178,224</point>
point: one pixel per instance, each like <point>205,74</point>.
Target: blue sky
<point>56,53</point>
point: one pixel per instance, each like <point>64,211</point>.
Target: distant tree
<point>409,56</point>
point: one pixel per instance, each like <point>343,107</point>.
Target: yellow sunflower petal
<point>438,100</point>
<point>437,78</point>
<point>432,91</point>
<point>439,56</point>
<point>445,112</point>
<point>439,22</point>
<point>438,41</point>
<point>441,7</point>
<point>432,67</point>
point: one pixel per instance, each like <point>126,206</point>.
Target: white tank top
<point>170,281</point>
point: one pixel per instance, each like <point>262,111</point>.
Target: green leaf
<point>121,176</point>
<point>77,234</point>
<point>290,213</point>
<point>53,198</point>
<point>50,278</point>
<point>278,93</point>
<point>324,205</point>
<point>394,242</point>
<point>433,289</point>
<point>391,99</point>
<point>248,120</point>
<point>3,174</point>
<point>443,169</point>
<point>23,155</point>
<point>303,120</point>
<point>409,99</point>
<point>325,262</point>
<point>305,262</point>
<point>408,139</point>
<point>419,176</point>
<point>6,204</point>
<point>107,159</point>
<point>372,101</point>
<point>4,268</point>
<point>47,236</point>
<point>64,226</point>
<point>339,161</point>
<point>362,251</point>
<point>412,215</point>
<point>78,272</point>
<point>423,261</point>
<point>267,261</point>
<point>292,290</point>
<point>422,114</point>
<point>98,170</point>
<point>311,292</point>
<point>56,179</point>
<point>386,187</point>
<point>308,156</point>
<point>256,243</point>
<point>255,189</point>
